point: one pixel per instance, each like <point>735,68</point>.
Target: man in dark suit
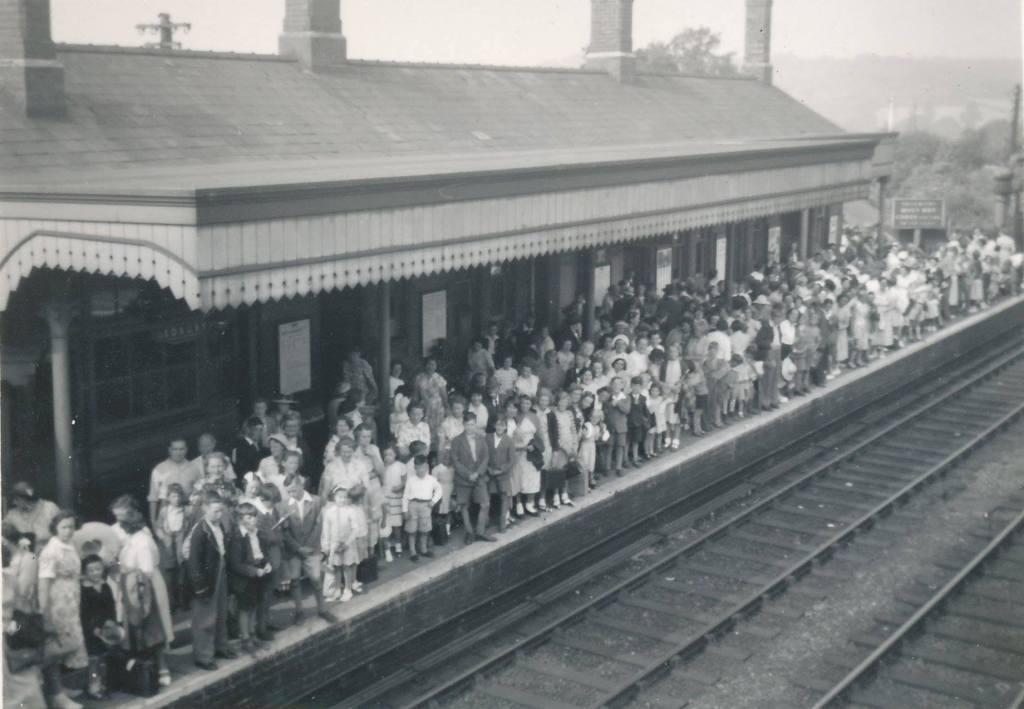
<point>573,332</point>
<point>499,468</point>
<point>246,454</point>
<point>616,416</point>
<point>494,401</point>
<point>301,540</point>
<point>207,570</point>
<point>469,458</point>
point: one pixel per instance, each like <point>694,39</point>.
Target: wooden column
<point>589,263</point>
<point>384,375</point>
<point>805,230</point>
<point>881,206</point>
<point>58,317</point>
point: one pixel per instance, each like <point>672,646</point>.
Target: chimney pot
<point>757,54</point>
<point>611,38</point>
<point>312,33</point>
<point>29,70</point>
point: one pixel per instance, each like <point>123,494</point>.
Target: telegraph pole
<point>165,30</point>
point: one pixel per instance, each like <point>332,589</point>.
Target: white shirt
<point>254,544</point>
<point>425,488</point>
<point>299,506</point>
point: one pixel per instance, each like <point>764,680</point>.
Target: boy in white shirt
<point>422,492</point>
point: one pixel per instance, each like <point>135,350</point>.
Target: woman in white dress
<point>527,445</point>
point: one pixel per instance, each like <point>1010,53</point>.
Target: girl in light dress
<point>527,382</point>
<point>343,540</point>
<point>743,385</point>
<point>444,473</point>
<point>527,445</point>
<point>657,404</point>
<point>399,409</point>
<point>394,487</point>
<point>506,376</point>
<point>843,316</point>
<point>589,434</point>
<point>860,328</point>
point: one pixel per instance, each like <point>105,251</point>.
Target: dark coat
<point>204,560</point>
<point>463,462</point>
<point>301,534</point>
<point>499,458</point>
<point>616,415</point>
<point>245,457</point>
<point>638,416</point>
<point>243,580</point>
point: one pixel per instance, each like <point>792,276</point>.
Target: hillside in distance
<point>941,95</point>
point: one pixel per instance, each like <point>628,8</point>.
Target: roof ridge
<point>177,53</point>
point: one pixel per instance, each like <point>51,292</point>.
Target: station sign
<point>919,214</point>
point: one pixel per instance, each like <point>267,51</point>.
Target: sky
<point>534,32</point>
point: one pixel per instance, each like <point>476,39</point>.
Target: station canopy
<point>232,179</point>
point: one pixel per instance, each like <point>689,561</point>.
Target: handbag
<point>23,658</point>
<point>573,469</point>
<point>28,633</point>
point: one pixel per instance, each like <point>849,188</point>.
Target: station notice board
<point>919,214</point>
<point>294,356</point>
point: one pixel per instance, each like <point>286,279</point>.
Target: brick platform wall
<point>289,675</point>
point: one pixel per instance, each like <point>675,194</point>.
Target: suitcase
<point>439,533</point>
<point>133,674</point>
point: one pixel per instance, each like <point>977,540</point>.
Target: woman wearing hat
<point>30,514</point>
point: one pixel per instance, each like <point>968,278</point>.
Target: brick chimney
<point>611,38</point>
<point>312,33</point>
<point>757,54</point>
<point>29,71</point>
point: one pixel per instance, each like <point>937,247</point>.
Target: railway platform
<point>411,598</point>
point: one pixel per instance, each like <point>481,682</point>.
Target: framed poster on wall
<point>434,318</point>
<point>774,244</point>
<point>663,274</point>
<point>721,254</point>
<point>294,357</point>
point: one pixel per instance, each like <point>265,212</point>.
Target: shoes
<point>556,503</point>
<point>346,596</point>
<point>265,635</point>
<point>635,464</point>
<point>164,678</point>
<point>428,554</point>
<point>388,558</point>
<point>567,501</point>
<point>229,654</point>
<point>486,538</point>
<point>328,616</point>
<point>247,645</point>
<point>468,538</point>
<point>519,508</point>
<point>201,664</point>
<point>412,557</point>
<point>529,509</point>
<point>542,507</point>
<point>275,628</point>
<point>618,473</point>
<point>297,617</point>
<point>783,399</point>
<point>357,587</point>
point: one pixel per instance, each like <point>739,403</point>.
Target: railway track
<point>684,595</point>
<point>959,644</point>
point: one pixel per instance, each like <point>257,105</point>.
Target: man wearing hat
<point>30,514</point>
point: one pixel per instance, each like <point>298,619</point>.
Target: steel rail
<point>490,663</point>
<point>892,643</point>
<point>754,600</point>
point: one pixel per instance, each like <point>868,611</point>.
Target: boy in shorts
<point>422,492</point>
<point>300,539</point>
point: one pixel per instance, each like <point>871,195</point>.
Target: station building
<point>182,231</point>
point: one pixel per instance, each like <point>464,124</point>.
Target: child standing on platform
<point>444,473</point>
<point>250,576</point>
<point>658,405</point>
<point>394,488</point>
<point>693,398</point>
<point>343,539</point>
<point>174,522</point>
<point>422,492</point>
<point>637,420</point>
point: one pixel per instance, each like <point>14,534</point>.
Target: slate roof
<point>180,113</point>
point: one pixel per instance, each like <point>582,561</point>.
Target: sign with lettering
<point>294,356</point>
<point>435,318</point>
<point>178,332</point>
<point>919,214</point>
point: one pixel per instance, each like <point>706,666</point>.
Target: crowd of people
<point>538,418</point>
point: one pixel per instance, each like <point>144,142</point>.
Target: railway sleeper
<point>937,685</point>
